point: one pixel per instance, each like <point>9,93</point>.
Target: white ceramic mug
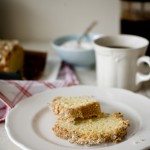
<point>118,58</point>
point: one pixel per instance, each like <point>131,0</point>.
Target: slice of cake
<point>75,107</point>
<point>96,130</point>
<point>11,56</point>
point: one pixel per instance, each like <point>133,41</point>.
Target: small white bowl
<point>77,56</point>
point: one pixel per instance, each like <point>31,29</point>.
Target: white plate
<point>29,124</point>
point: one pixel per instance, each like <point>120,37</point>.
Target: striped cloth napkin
<point>13,91</point>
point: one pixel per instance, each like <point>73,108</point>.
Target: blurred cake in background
<point>11,56</point>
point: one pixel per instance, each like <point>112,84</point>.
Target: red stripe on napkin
<point>48,84</point>
<point>22,89</point>
<point>3,113</point>
<point>5,101</point>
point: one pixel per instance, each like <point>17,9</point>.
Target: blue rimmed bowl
<point>75,56</point>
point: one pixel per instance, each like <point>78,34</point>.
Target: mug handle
<point>140,77</point>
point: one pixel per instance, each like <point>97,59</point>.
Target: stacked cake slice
<point>72,108</point>
<point>81,121</point>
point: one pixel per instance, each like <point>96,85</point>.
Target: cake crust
<point>75,134</point>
